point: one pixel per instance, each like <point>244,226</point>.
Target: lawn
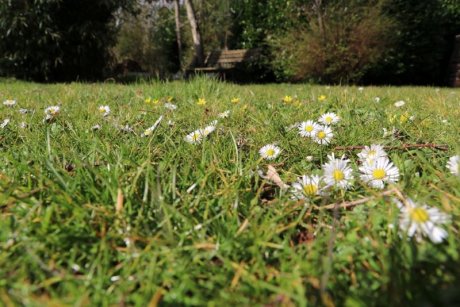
<point>97,209</point>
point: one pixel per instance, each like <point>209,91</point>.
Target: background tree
<point>196,35</point>
<point>57,40</point>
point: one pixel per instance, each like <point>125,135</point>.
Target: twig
<point>350,204</point>
<point>445,193</point>
<point>119,204</point>
<point>442,147</point>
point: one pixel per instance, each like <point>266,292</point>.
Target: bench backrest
<point>229,58</point>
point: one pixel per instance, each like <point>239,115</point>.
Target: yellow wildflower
<point>404,118</point>
<point>322,97</point>
<point>201,101</point>
<point>287,99</point>
<point>235,100</point>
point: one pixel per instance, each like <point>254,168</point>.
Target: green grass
<point>235,238</point>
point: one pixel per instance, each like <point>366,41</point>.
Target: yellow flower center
<point>419,215</point>
<point>309,128</point>
<point>328,119</point>
<point>196,136</point>
<point>379,173</point>
<point>321,135</point>
<point>371,153</point>
<point>270,152</point>
<point>310,189</point>
<point>338,175</point>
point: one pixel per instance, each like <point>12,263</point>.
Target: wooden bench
<point>454,71</point>
<point>222,61</point>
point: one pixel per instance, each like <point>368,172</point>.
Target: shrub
<point>57,40</point>
<point>338,45</point>
<point>149,39</point>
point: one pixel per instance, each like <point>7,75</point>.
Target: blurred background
<point>398,42</point>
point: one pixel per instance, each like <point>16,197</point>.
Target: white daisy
<point>370,153</point>
<point>308,128</point>
<point>329,119</point>
<point>52,112</point>
<point>5,123</point>
<point>422,221</point>
<point>323,135</point>
<point>377,99</point>
<point>307,187</point>
<point>337,173</point>
<point>194,137</point>
<point>96,127</point>
<point>23,125</point>
<point>378,172</point>
<point>360,88</point>
<point>400,103</point>
<point>24,111</point>
<point>104,110</point>
<point>170,106</point>
<point>9,103</point>
<point>208,130</point>
<point>270,152</point>
<point>150,130</point>
<point>126,128</point>
<point>224,114</point>
<point>309,158</point>
<point>453,165</point>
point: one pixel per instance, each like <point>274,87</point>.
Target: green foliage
<point>199,226</point>
<point>362,41</point>
<point>50,40</point>
<point>339,45</point>
<point>149,39</point>
<point>423,42</point>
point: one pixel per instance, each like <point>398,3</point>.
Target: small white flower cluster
<point>52,112</point>
<point>198,135</point>
<point>320,133</point>
<point>336,174</point>
<point>376,168</point>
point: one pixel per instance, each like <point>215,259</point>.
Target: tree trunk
<point>319,16</point>
<point>178,36</point>
<point>196,36</point>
